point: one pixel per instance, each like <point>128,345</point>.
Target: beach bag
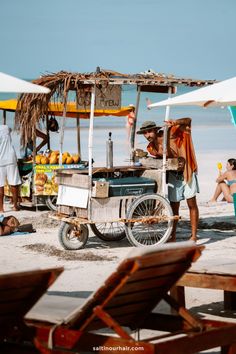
<point>53,125</point>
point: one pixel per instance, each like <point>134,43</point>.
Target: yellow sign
<point>44,178</point>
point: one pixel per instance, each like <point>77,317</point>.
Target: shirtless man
<point>184,185</point>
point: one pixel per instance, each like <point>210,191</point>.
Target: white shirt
<point>7,151</point>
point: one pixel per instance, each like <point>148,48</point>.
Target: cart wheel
<point>147,234</point>
<point>51,202</point>
<point>71,238</point>
<point>109,231</point>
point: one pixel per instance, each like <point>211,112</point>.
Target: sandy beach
<point>217,231</point>
<point>86,269</point>
<point>116,53</point>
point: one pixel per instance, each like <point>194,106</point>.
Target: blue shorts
<point>178,189</point>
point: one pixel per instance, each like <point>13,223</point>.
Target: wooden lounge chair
<point>18,293</point>
<point>125,303</point>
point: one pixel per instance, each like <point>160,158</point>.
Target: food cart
<point>38,173</point>
<point>116,201</point>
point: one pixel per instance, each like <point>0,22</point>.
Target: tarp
<point>56,109</point>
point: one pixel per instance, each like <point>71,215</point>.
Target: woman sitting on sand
<point>226,183</point>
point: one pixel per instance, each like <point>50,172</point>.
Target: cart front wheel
<point>145,231</point>
<point>51,202</point>
<point>72,238</point>
<point>109,231</point>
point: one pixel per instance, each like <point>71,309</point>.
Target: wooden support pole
<point>4,117</point>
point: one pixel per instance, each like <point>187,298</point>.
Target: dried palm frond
<point>33,107</point>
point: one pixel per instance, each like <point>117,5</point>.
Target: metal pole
<point>90,140</point>
<point>164,189</point>
<point>78,136</point>
<point>133,128</point>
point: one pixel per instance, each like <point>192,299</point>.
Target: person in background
<point>8,168</point>
<point>130,121</point>
<point>226,183</point>
<point>181,185</point>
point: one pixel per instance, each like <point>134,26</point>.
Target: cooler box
<point>131,186</point>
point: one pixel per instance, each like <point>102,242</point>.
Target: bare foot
<point>16,208</point>
<point>193,238</point>
<point>172,238</point>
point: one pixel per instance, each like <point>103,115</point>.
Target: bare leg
<point>226,192</point>
<point>15,192</point>
<point>128,128</point>
<point>175,209</point>
<point>217,193</point>
<point>194,216</point>
<point>1,199</point>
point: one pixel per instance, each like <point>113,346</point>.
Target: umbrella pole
<point>167,114</point>
<point>133,128</point>
<point>90,140</point>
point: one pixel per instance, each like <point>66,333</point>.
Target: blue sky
<point>189,38</point>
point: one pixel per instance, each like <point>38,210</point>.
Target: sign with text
<point>107,97</point>
<point>44,178</point>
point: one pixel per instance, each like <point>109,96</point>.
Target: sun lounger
<point>218,273</point>
<point>18,293</point>
<point>103,323</point>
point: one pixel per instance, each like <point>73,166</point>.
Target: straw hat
<point>147,125</point>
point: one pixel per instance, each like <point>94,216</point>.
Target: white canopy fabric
<point>10,83</point>
<point>220,94</point>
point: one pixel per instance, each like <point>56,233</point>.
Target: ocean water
<point>212,129</point>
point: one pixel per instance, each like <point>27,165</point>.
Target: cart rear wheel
<point>72,238</point>
<point>145,233</point>
<point>51,202</point>
<point>109,231</point>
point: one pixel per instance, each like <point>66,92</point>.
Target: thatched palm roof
<point>32,107</point>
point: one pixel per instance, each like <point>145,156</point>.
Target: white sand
<point>83,273</point>
<point>42,249</point>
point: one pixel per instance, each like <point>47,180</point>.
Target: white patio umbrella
<point>10,83</point>
<point>220,94</point>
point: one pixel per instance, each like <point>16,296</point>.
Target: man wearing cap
<point>180,185</point>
